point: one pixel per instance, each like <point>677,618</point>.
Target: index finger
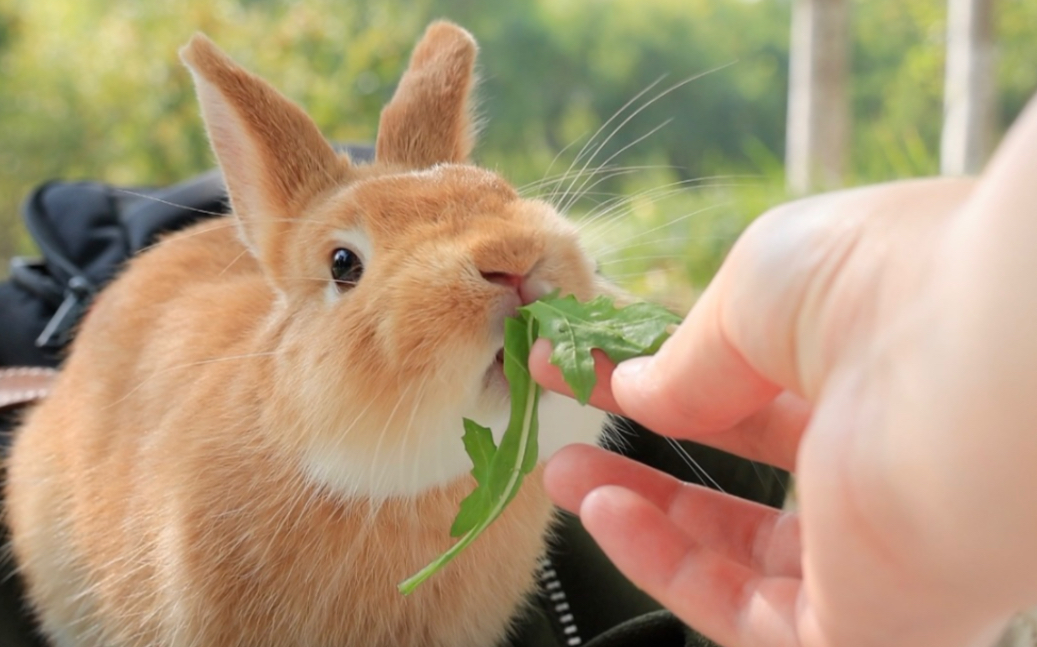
<point>768,435</point>
<point>747,358</point>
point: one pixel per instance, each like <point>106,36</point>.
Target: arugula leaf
<point>574,329</point>
<point>478,442</point>
<point>493,467</point>
<point>498,471</point>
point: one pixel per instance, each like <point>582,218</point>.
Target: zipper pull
<point>58,331</point>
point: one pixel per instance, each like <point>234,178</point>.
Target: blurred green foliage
<point>93,89</point>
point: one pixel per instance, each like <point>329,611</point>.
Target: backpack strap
<point>21,385</point>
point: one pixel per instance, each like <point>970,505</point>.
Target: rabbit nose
<point>517,282</point>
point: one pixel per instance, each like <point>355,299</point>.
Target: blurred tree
<point>93,89</point>
<point>969,100</point>
<point>1014,52</point>
<point>898,67</point>
<point>817,135</point>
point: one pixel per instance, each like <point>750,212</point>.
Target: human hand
<point>882,344</point>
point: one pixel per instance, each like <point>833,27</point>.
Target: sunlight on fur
<point>267,452</point>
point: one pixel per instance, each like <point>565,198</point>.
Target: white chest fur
<point>433,453</point>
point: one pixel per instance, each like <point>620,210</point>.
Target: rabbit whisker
<point>636,112</point>
<point>655,194</point>
<point>544,179</point>
<point>608,255</point>
<point>617,204</point>
<point>165,240</point>
<point>377,455</point>
<point>650,257</point>
<point>233,262</point>
<point>203,362</point>
<point>229,222</point>
<point>628,170</point>
<point>617,201</point>
<point>562,177</point>
<point>411,432</point>
<point>604,178</point>
<point>571,196</point>
<point>690,461</point>
<point>602,128</point>
<point>691,214</point>
<point>152,198</point>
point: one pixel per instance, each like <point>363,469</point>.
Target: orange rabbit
<point>257,434</point>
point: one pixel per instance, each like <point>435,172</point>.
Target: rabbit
<point>256,434</point>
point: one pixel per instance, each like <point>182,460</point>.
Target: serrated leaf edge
<point>407,586</point>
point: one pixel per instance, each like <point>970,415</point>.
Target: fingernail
<point>631,369</point>
<point>600,499</point>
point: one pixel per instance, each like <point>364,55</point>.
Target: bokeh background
<point>93,89</point>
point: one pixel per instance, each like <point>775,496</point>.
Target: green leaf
<point>478,442</point>
<point>498,471</point>
<point>519,334</point>
<point>576,328</point>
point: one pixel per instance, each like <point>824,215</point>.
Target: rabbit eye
<point>346,268</point>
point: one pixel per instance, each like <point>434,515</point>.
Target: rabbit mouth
<point>498,364</point>
<point>495,378</point>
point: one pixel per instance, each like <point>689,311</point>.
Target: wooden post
<point>818,127</point>
<point>969,95</point>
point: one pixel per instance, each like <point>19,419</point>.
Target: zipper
<point>558,603</point>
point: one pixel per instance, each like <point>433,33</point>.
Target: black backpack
<point>86,230</point>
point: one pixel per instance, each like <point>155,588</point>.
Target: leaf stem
<point>575,329</point>
<point>514,479</point>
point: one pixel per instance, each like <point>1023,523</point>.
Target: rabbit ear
<point>428,121</point>
<point>273,157</point>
